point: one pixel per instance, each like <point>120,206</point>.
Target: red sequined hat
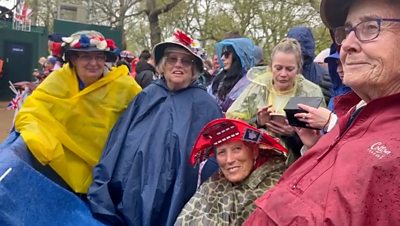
<point>223,130</point>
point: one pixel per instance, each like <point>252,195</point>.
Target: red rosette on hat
<point>182,40</point>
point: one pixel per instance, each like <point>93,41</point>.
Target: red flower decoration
<point>183,38</point>
<point>111,44</point>
<point>77,45</point>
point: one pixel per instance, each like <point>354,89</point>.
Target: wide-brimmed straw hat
<point>183,40</point>
<point>88,41</point>
<point>334,12</point>
<point>224,130</point>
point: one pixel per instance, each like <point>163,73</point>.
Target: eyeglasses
<point>186,62</point>
<point>88,58</point>
<point>226,54</point>
<point>364,31</point>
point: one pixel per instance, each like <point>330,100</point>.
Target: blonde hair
<point>289,45</point>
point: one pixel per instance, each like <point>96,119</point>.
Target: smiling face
<point>89,66</point>
<point>236,160</point>
<point>284,70</point>
<point>178,71</point>
<point>371,68</point>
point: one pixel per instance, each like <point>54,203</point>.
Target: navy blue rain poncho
<point>311,71</point>
<point>144,176</point>
<point>27,197</point>
<point>338,88</point>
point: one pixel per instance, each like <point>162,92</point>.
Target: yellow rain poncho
<point>67,128</point>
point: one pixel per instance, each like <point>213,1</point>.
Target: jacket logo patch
<point>379,150</point>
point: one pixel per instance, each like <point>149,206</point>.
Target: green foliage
<point>266,22</point>
<point>322,37</point>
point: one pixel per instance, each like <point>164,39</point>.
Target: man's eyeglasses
<point>172,60</point>
<point>88,58</point>
<point>226,54</point>
<point>364,31</point>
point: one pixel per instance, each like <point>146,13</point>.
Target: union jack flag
<point>22,12</point>
<point>20,95</point>
<point>15,102</point>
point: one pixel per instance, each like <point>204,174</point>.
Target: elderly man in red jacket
<point>352,175</point>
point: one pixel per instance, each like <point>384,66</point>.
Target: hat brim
<point>159,50</point>
<point>110,56</point>
<point>334,12</point>
<point>332,57</point>
<point>55,37</point>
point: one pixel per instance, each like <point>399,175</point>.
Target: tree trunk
<point>35,10</point>
<point>153,12</point>
<point>155,30</point>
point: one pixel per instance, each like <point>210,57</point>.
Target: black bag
<point>291,109</point>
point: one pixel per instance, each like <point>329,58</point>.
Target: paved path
<point>6,117</point>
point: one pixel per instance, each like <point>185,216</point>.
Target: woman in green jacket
<point>270,90</point>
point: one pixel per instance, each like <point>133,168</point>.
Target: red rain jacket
<point>350,177</point>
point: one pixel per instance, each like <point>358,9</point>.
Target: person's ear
<point>73,59</point>
<point>256,151</point>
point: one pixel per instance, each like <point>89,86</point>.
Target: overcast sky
<point>7,3</point>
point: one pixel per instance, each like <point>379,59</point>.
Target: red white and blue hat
<point>88,41</point>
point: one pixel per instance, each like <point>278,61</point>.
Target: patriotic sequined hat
<point>88,41</point>
<point>224,130</point>
<point>181,39</point>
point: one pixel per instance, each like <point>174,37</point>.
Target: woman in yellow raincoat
<point>66,121</point>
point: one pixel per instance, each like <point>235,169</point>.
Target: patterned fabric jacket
<point>219,202</point>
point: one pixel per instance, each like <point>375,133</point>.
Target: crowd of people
<point>174,137</point>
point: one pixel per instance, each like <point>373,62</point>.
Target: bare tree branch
<point>137,13</point>
<point>166,8</point>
